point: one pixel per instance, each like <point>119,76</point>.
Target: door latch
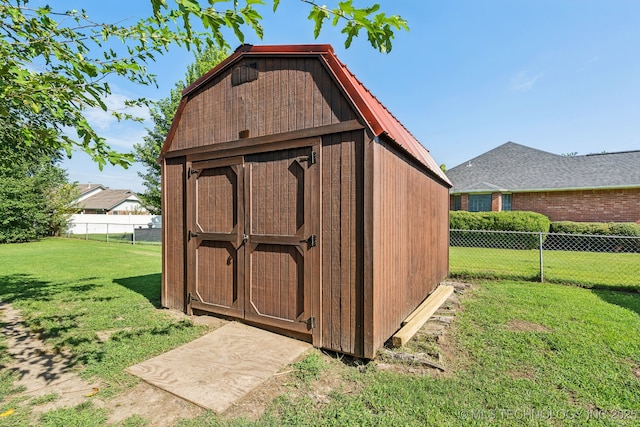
<point>192,172</point>
<point>311,322</point>
<point>311,241</point>
<point>311,158</point>
<point>192,234</point>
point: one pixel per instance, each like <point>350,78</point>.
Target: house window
<point>457,202</point>
<point>506,202</point>
<point>479,202</point>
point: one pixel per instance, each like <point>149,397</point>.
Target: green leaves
<point>162,113</point>
<point>56,64</point>
<point>379,27</point>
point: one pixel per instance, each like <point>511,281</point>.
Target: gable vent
<point>244,73</point>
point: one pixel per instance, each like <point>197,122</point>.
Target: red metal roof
<point>379,120</point>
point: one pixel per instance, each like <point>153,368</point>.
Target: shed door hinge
<point>311,322</point>
<point>192,234</point>
<point>191,297</point>
<point>192,172</point>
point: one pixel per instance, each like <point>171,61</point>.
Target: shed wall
<point>410,239</point>
<point>173,260</point>
<point>289,94</point>
<point>342,230</point>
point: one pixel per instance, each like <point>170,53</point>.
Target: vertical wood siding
<point>290,94</point>
<point>342,238</point>
<point>411,239</point>
<point>174,286</point>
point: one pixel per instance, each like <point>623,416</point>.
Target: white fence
<point>83,224</point>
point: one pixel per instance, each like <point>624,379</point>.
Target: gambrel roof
<point>378,119</point>
<point>515,167</point>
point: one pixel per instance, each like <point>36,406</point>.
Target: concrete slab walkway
<point>219,368</point>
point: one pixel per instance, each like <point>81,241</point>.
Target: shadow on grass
<point>25,287</point>
<point>148,286</point>
<point>628,300</point>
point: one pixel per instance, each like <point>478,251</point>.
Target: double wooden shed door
<point>253,225</point>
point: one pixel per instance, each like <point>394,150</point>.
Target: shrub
<point>497,221</point>
<point>582,236</point>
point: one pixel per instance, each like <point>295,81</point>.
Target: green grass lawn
<point>73,291</point>
<point>589,269</point>
<point>518,353</point>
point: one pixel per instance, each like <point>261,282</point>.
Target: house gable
<point>108,200</point>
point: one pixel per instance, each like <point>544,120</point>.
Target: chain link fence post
<point>540,240</point>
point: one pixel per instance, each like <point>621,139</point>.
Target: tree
<point>56,64</point>
<point>35,198</point>
<point>162,113</point>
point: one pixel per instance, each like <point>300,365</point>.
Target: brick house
<point>593,188</point>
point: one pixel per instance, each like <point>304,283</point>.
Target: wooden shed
<point>295,201</point>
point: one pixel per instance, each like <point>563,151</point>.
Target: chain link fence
<point>116,233</point>
<point>590,260</point>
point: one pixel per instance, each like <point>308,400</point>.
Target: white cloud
<point>523,81</point>
<point>100,119</point>
<point>123,136</point>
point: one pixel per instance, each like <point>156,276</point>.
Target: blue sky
<point>558,75</point>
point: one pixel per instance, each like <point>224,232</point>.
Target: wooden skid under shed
<point>420,315</point>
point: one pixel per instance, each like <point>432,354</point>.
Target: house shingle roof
<point>515,167</point>
<point>108,199</point>
<point>85,188</point>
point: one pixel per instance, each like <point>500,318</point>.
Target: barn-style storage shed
<point>295,201</point>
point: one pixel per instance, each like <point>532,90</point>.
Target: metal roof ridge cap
<point>395,120</point>
<point>342,74</point>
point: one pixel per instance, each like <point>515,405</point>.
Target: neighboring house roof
<point>379,120</point>
<point>108,199</point>
<point>515,167</point>
<point>86,188</point>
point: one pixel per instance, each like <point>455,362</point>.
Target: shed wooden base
<point>420,315</point>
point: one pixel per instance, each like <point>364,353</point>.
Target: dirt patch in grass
<point>528,374</point>
<point>333,378</point>
<point>157,406</point>
<point>49,382</point>
<point>524,326</point>
<point>43,373</point>
<point>636,372</point>
<point>253,405</point>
